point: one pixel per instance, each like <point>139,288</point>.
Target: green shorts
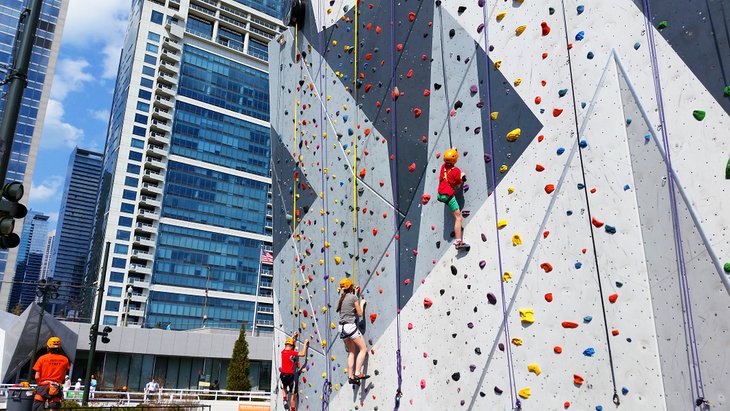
<point>450,201</point>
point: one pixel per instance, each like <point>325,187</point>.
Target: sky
<point>81,96</point>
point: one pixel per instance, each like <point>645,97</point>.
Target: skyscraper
<point>185,192</point>
<point>75,226</point>
<point>35,99</point>
<point>33,241</point>
<point>45,272</point>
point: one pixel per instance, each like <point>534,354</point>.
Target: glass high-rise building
<point>75,226</point>
<point>35,101</point>
<point>185,192</point>
<point>32,247</point>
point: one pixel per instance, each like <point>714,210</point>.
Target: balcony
<point>266,284</point>
<point>137,282</point>
<point>202,10</point>
<point>167,78</point>
<point>165,90</point>
<point>162,113</point>
<point>135,312</point>
<point>154,176</point>
<point>160,126</point>
<point>164,102</point>
<point>265,310</point>
<point>150,201</point>
<point>155,150</point>
<point>266,293</point>
<point>149,214</point>
<point>171,44</point>
<point>168,67</point>
<point>146,228</point>
<point>170,55</point>
<point>265,323</point>
<point>155,163</point>
<point>151,188</point>
<point>140,269</point>
<point>159,138</point>
<point>142,255</point>
<point>138,297</point>
<point>267,273</point>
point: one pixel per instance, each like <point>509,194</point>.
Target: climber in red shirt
<point>451,179</point>
<point>290,370</point>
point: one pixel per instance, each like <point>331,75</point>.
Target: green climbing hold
<point>663,24</point>
<point>699,115</point>
<point>726,90</point>
<point>727,170</point>
<point>727,268</point>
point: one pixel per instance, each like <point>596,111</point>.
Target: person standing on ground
<point>77,389</point>
<point>150,388</point>
<point>290,370</point>
<point>92,387</point>
<point>67,387</point>
<point>350,309</point>
<point>50,369</point>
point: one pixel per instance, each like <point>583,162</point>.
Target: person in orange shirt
<point>50,370</point>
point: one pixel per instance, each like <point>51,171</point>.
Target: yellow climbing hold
<point>324,343</point>
<point>304,326</point>
<point>514,135</point>
<point>497,64</point>
<point>324,308</point>
<point>510,190</point>
<point>503,168</point>
<point>327,245</point>
<point>534,368</point>
<point>501,224</point>
<point>527,315</point>
<point>334,42</point>
<point>516,240</point>
<point>494,115</point>
<point>517,341</point>
<point>321,261</point>
<point>337,387</point>
<point>518,81</point>
<point>520,30</point>
<point>506,276</point>
<point>501,15</point>
<point>324,375</point>
<point>333,326</point>
<point>338,259</point>
<point>525,393</point>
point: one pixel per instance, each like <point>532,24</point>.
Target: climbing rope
<point>616,399</point>
<point>394,173</point>
<point>505,313</point>
<point>296,183</point>
<point>356,256</point>
<point>690,337</point>
<point>443,72</point>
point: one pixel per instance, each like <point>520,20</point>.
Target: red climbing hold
<point>412,167</point>
<point>549,297</point>
<point>558,349</point>
<point>408,225</point>
<point>409,74</point>
<point>306,313</point>
<point>426,92</point>
<point>407,281</point>
<point>417,112</point>
<point>425,198</point>
<point>411,16</point>
<point>569,324</point>
<point>545,28</point>
<point>373,317</point>
<point>363,172</point>
<point>539,168</point>
<point>427,303</point>
<point>399,47</point>
<point>577,379</point>
<point>375,231</point>
<point>612,298</point>
<point>549,188</point>
<point>540,138</point>
<point>410,326</point>
<point>538,100</point>
<point>557,112</point>
<point>566,404</point>
<point>544,56</point>
<point>423,384</point>
<point>545,234</point>
<point>368,87</point>
<point>368,56</point>
<point>596,222</point>
<point>547,267</point>
<point>614,333</point>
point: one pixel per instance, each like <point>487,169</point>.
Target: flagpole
<point>258,284</point>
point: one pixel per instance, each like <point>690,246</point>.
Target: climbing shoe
<point>353,381</point>
<point>286,403</point>
<point>460,245</point>
<point>362,377</point>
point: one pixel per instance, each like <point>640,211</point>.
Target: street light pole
<point>127,301</point>
<point>94,332</point>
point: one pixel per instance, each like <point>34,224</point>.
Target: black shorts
<point>290,382</point>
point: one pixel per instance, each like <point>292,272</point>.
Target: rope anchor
<point>616,399</point>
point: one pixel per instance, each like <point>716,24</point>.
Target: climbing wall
<point>595,141</point>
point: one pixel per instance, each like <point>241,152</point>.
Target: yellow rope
<point>296,183</point>
<point>354,155</point>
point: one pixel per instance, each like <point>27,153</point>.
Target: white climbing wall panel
<point>580,295</point>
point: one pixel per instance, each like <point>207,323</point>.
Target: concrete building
<point>75,227</point>
<point>185,187</point>
<point>35,101</point>
<point>45,272</point>
<point>31,251</point>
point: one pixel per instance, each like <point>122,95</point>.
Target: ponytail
<point>342,297</point>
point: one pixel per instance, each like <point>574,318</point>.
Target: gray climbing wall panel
<point>577,296</point>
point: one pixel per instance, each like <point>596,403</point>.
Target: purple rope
<point>394,173</point>
<point>690,336</point>
<point>505,316</point>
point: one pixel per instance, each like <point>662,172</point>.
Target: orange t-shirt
<point>52,367</point>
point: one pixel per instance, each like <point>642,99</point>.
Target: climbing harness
<point>685,299</point>
<point>505,313</point>
<point>616,399</point>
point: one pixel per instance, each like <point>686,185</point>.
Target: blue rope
<point>690,336</point>
<point>505,313</point>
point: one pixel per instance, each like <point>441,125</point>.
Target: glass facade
<point>183,311</point>
<point>271,7</point>
<point>75,225</point>
<point>23,146</point>
<point>224,83</point>
<point>30,258</point>
<point>210,197</point>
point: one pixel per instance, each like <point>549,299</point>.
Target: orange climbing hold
<point>596,222</point>
<point>566,404</point>
<point>558,349</point>
<point>547,267</point>
<point>539,168</point>
<point>557,112</point>
<point>549,188</point>
<point>363,172</point>
<point>577,379</point>
<point>569,324</point>
<point>545,234</point>
<point>612,298</point>
<point>540,138</point>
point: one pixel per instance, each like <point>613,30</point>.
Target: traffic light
<point>105,334</point>
<point>10,209</point>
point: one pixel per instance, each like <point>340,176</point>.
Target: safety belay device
<point>296,12</point>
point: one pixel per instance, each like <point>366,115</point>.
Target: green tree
<point>238,369</point>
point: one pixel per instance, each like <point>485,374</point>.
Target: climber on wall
<point>450,179</point>
<point>290,370</point>
<point>350,308</point>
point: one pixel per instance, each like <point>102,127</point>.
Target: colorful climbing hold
<point>569,324</point>
<point>549,297</point>
<point>549,188</point>
<point>514,134</point>
<point>612,298</point>
<point>516,240</point>
<point>663,24</point>
<point>699,115</point>
<point>527,315</point>
<point>524,393</point>
<point>545,28</point>
<point>427,303</point>
<point>534,368</point>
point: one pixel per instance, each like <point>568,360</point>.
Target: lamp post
<point>44,290</point>
<point>127,301</point>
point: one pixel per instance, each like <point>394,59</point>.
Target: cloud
<point>49,189</point>
<point>70,76</point>
<point>101,115</point>
<point>101,25</point>
<point>56,132</point>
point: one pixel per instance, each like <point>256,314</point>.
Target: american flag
<point>267,257</point>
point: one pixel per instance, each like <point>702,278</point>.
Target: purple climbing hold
<point>470,325</point>
<point>472,367</point>
<point>498,390</point>
<point>481,3</point>
<point>484,237</point>
<point>473,89</point>
<point>492,299</point>
<point>456,376</point>
<point>482,264</point>
<point>487,158</point>
<point>501,347</point>
<point>480,27</point>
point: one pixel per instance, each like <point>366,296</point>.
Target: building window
<point>131,182</point>
<point>145,82</point>
<point>139,131</point>
<point>200,28</point>
<point>127,208</point>
<point>153,37</point>
<point>116,277</point>
<point>112,306</point>
<point>129,195</point>
<point>125,222</point>
<point>121,248</point>
<point>137,143</point>
<point>119,262</point>
<point>144,94</point>
<point>157,17</point>
<point>110,320</point>
<point>131,168</point>
<point>123,235</point>
<point>259,50</point>
<point>152,48</point>
<point>150,59</point>
<point>148,71</point>
<point>135,156</point>
<point>141,118</point>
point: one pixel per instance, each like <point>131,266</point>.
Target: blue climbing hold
<point>569,213</point>
<point>542,110</point>
<point>581,9</point>
<point>581,186</point>
<point>599,407</point>
<point>627,187</point>
<point>610,229</point>
<point>563,92</point>
<point>350,132</point>
<point>647,137</point>
<point>578,265</point>
<point>589,352</point>
<point>582,104</point>
<point>587,319</point>
<point>637,45</point>
<point>561,150</point>
<point>580,36</point>
<point>590,55</point>
<point>624,390</point>
<point>628,121</point>
<point>583,144</point>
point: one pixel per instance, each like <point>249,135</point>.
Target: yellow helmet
<point>345,284</point>
<point>289,341</point>
<point>450,156</point>
<point>54,342</point>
